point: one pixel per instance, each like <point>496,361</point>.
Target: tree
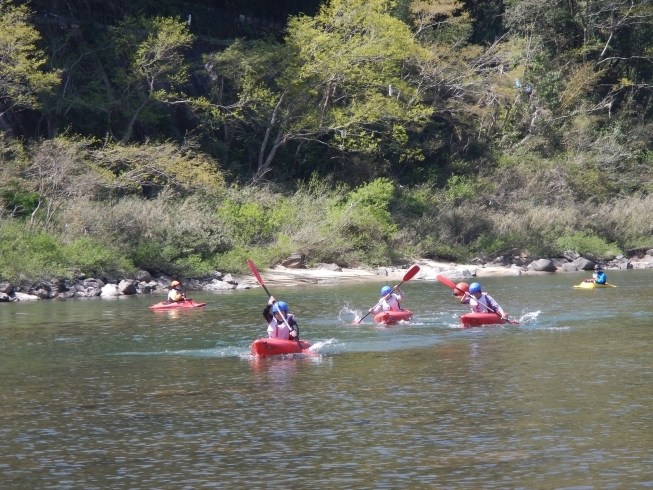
<point>21,76</point>
<point>341,79</point>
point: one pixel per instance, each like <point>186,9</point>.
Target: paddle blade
<point>252,267</point>
<point>410,273</point>
<point>446,282</point>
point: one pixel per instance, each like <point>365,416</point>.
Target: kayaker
<point>175,295</point>
<point>389,301</point>
<point>599,276</point>
<point>481,302</point>
<point>274,313</point>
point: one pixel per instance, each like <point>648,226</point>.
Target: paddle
<point>407,277</point>
<point>450,284</point>
<point>252,267</point>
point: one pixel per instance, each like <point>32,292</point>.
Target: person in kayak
<point>175,295</point>
<point>389,301</point>
<point>481,302</point>
<point>274,313</point>
<point>599,276</point>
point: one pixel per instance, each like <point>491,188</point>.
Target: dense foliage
<point>350,131</point>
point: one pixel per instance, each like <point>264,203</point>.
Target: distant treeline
<point>427,127</point>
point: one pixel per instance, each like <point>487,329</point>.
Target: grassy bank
<point>378,223</point>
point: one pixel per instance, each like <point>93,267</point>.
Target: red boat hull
<point>478,319</point>
<point>278,347</point>
<point>187,303</point>
<point>392,317</point>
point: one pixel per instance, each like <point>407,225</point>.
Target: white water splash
<point>528,317</point>
<point>347,312</point>
<point>319,345</point>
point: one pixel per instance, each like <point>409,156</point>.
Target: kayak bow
<point>277,347</point>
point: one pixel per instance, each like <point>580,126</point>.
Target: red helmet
<point>461,288</point>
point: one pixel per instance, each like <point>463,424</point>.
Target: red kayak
<point>173,305</point>
<point>478,319</point>
<point>392,317</point>
<point>278,347</point>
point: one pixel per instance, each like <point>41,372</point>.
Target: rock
<point>229,279</point>
<point>331,267</point>
<point>515,270</point>
<point>6,287</point>
<point>146,287</point>
<point>501,260</point>
<point>4,297</point>
<point>542,265</point>
<point>621,263</point>
<point>66,294</point>
<point>143,276</point>
<point>381,271</point>
<point>583,264</point>
<point>93,283</point>
<point>559,262</point>
<point>295,261</point>
<point>649,252</point>
<point>44,293</point>
<point>216,285</point>
<point>127,286</point>
<point>26,297</point>
<point>110,290</point>
<point>570,255</point>
<point>569,267</point>
<point>454,274</point>
<point>244,286</point>
<point>477,261</point>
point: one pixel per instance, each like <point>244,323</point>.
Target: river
<point>99,393</point>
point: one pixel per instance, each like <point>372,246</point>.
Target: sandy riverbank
<point>429,269</point>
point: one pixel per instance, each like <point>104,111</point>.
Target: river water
<point>100,393</point>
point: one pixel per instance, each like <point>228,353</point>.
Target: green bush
<point>583,243</point>
<point>92,257</point>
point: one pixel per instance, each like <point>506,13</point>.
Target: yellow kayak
<point>593,285</point>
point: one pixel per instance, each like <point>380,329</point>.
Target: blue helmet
<point>385,290</point>
<point>474,288</point>
<point>280,305</point>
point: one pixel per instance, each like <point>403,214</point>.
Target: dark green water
<point>107,394</point>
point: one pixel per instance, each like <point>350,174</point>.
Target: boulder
<point>542,265</point>
<point>559,262</point>
<point>229,279</point>
<point>583,264</point>
<point>569,267</point>
<point>570,255</point>
<point>26,297</point>
<point>146,287</point>
<point>381,271</point>
<point>217,285</point>
<point>295,261</point>
<point>93,283</point>
<point>6,287</point>
<point>127,286</point>
<point>331,267</point>
<point>4,297</point>
<point>110,290</point>
<point>143,276</point>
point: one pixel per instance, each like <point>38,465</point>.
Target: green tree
<point>22,78</point>
<point>339,80</point>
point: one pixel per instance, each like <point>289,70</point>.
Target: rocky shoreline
<point>293,272</point>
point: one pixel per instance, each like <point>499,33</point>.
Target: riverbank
<point>290,276</point>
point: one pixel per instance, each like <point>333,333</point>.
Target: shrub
<point>592,244</point>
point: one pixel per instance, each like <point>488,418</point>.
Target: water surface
<point>107,394</point>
